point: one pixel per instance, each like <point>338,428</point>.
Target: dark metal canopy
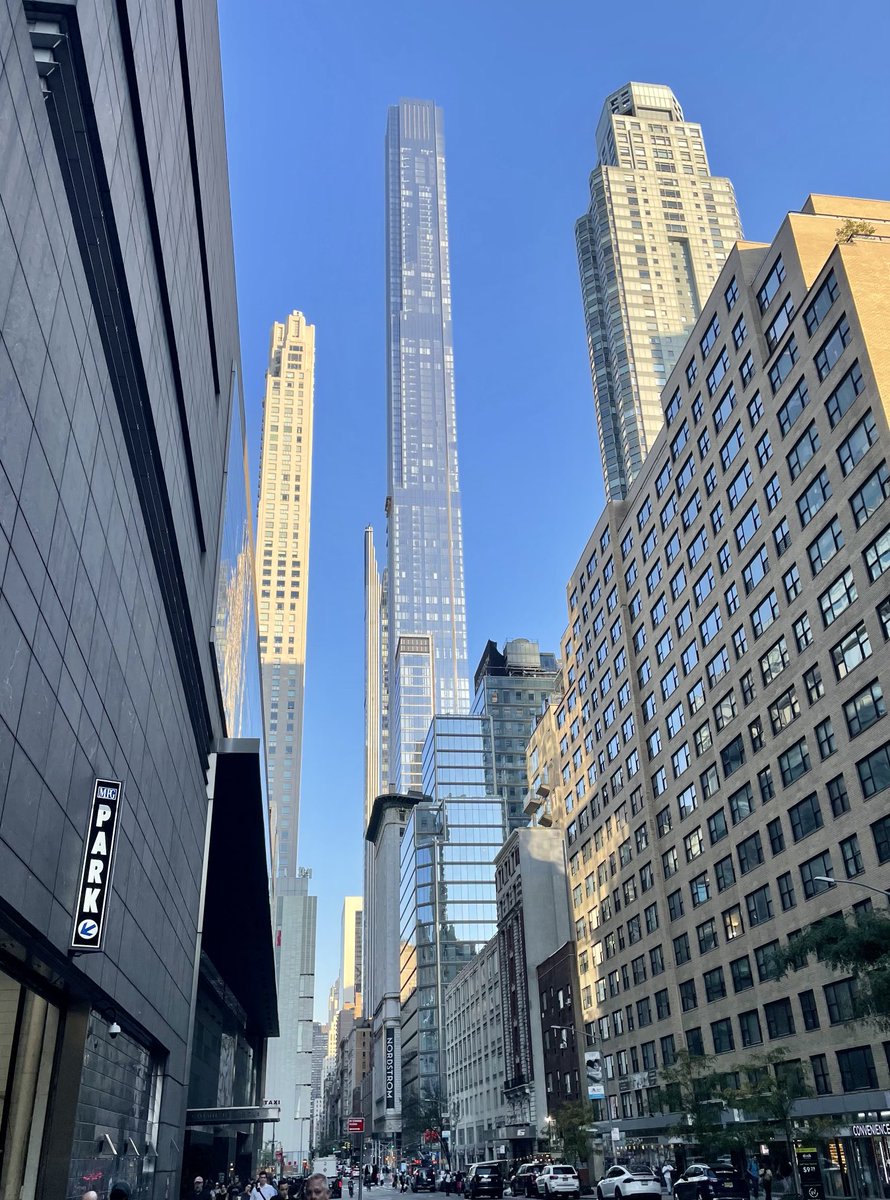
<point>238,935</point>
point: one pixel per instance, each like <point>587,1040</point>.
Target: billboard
<point>593,1069</point>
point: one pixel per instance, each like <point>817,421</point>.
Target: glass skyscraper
<point>427,643</point>
<point>650,247</point>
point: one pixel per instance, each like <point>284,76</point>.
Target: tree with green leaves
<point>694,1087</point>
<point>767,1095</point>
<point>858,947</point>
<point>571,1121</point>
<point>423,1114</point>
<point>853,228</point>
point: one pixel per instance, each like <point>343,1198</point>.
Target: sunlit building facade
<point>282,568</point>
<point>723,762</point>
<point>650,247</point>
<point>428,668</point>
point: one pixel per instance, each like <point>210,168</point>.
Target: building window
<point>786,892</point>
<point>749,1028</point>
<point>759,904</point>
<point>880,831</point>
<point>794,762</point>
<point>813,872</point>
<point>837,796</point>
<point>858,443</point>
<point>805,817</point>
<point>821,304</point>
<point>825,738</point>
<point>779,1019</point>
<point>821,1079</point>
<point>721,1033</point>
<point>857,1068</point>
<point>843,396</point>
<point>851,652</point>
<point>808,1009</point>
<point>874,771</point>
<point>742,977</point>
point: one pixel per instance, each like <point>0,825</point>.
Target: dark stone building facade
<point>119,362</point>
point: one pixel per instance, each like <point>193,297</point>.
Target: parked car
<point>698,1182</point>
<point>558,1179</point>
<point>484,1179</point>
<point>524,1179</point>
<point>619,1182</point>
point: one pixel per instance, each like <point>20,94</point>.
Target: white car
<point>619,1182</point>
<point>558,1179</point>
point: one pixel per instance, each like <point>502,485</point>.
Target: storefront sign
<point>389,1051</point>
<point>874,1129</point>
<point>98,863</point>
<point>810,1173</point>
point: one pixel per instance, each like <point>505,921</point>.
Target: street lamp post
<point>868,887</point>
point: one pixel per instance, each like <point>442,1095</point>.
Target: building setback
<point>723,742</point>
<point>650,247</point>
<point>127,648</point>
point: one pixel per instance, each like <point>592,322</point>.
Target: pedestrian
<point>317,1187</point>
<point>283,1190</point>
<point>446,1183</point>
<point>667,1174</point>
<point>263,1189</point>
<point>754,1176</point>
<point>767,1178</point>
<point>200,1190</point>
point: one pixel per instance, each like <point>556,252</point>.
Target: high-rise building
<point>376,668</point>
<point>351,952</point>
<point>428,669</point>
<point>442,927</point>
<point>723,768</point>
<point>282,561</point>
<point>512,689</point>
<point>120,414</point>
<point>282,568</point>
<point>650,247</point>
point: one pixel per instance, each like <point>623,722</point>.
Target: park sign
<point>98,865</point>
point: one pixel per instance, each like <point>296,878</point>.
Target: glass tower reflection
<point>447,892</point>
<point>428,668</point>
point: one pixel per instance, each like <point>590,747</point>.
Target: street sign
<point>355,1124</point>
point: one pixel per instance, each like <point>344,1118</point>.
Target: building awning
<point>237,911</point>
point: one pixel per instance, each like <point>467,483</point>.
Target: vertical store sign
<point>810,1173</point>
<point>98,863</point>
<point>390,1065</point>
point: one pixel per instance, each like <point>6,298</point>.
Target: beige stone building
<point>722,746</point>
<point>650,247</point>
<point>282,565</point>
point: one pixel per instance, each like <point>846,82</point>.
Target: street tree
<point>857,947</point>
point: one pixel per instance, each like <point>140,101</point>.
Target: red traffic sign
<point>355,1124</point>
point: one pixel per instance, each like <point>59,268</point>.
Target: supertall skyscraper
<point>428,668</point>
<point>650,247</point>
<point>282,559</point>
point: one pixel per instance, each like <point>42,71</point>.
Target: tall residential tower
<point>282,568</point>
<point>428,668</point>
<point>282,558</point>
<point>650,248</point>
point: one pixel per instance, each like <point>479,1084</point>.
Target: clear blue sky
<point>793,98</point>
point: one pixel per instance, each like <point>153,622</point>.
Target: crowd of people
<point>263,1187</point>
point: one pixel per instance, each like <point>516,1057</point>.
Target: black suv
<point>485,1179</point>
